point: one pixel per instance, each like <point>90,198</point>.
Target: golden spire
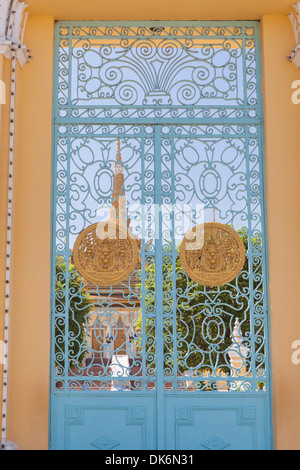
<point>118,196</point>
<point>119,157</point>
<point>119,164</point>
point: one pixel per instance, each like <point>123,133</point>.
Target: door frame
<point>160,428</point>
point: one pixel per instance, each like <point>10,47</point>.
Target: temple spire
<point>118,196</point>
<point>119,164</point>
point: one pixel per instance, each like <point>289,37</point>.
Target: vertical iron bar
<point>67,244</point>
<point>67,255</point>
<point>265,272</point>
<point>53,234</point>
<point>249,213</point>
<point>250,262</point>
<point>174,258</point>
<point>143,257</point>
<point>159,330</point>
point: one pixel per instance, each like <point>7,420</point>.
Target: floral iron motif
<point>212,254</point>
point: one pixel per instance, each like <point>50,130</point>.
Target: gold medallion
<point>104,254</point>
<point>212,254</point>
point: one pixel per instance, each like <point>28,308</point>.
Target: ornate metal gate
<point>159,261</point>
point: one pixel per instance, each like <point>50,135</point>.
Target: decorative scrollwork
<point>161,71</point>
<point>199,87</point>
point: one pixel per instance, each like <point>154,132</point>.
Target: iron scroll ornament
<point>212,254</point>
<point>105,260</point>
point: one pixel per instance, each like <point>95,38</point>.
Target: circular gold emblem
<point>212,254</point>
<point>104,254</point>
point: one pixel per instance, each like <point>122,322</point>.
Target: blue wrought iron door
<point>158,132</point>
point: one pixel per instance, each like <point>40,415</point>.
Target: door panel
<point>158,139</point>
<point>228,422</point>
<point>112,423</point>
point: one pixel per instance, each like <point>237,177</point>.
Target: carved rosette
<point>212,254</point>
<point>104,254</point>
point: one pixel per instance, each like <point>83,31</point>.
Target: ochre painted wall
<point>282,157</point>
<point>169,10</point>
<point>30,308</point>
<point>30,303</point>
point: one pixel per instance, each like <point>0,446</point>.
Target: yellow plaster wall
<point>282,144</point>
<point>30,305</point>
<point>169,10</point>
<point>30,308</point>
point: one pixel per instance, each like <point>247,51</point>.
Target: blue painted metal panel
<point>223,422</point>
<point>90,423</point>
<point>150,356</point>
